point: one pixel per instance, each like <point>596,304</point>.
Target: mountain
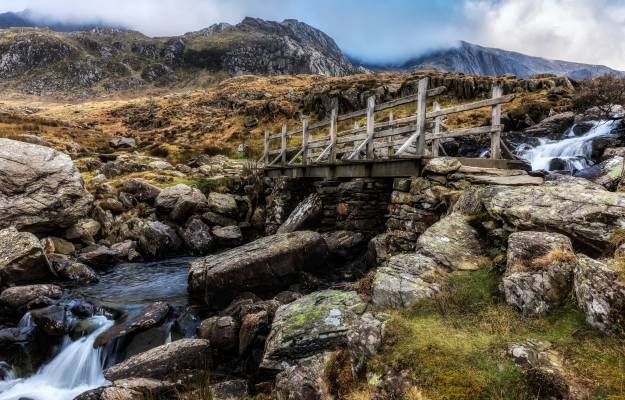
<point>28,19</point>
<point>42,61</point>
<point>478,60</point>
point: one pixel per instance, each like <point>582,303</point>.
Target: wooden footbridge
<point>384,146</point>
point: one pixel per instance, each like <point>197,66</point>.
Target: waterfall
<point>76,369</point>
<point>574,151</point>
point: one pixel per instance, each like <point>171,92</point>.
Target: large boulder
<point>264,266</point>
<point>40,188</point>
<point>453,243</point>
<point>151,316</point>
<point>315,323</point>
<point>172,360</point>
<point>539,272</point>
<point>180,201</point>
<point>600,293</point>
<point>22,259</point>
<point>223,204</point>
<point>304,215</point>
<point>406,278</point>
<point>18,299</point>
<point>585,213</point>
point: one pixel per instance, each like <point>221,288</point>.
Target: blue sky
<point>591,31</point>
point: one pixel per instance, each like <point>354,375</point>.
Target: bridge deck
<point>390,167</point>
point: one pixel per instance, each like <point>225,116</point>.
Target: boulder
<point>75,271</point>
<point>552,127</point>
<point>304,215</point>
<point>586,214</point>
<point>442,165</point>
<point>228,236</point>
<point>22,259</point>
<point>18,299</point>
<point>141,190</point>
<point>378,250</point>
<point>180,201</point>
<point>40,188</point>
<point>51,320</point>
<point>607,173</point>
<point>252,325</point>
<point>154,238</point>
<point>57,245</point>
<point>406,278</point>
<point>217,219</point>
<point>267,265</point>
<point>236,389</point>
<point>539,272</point>
<point>222,332</point>
<point>305,380</point>
<point>223,204</point>
<point>99,256</point>
<point>123,143</point>
<point>127,250</point>
<point>315,323</point>
<point>151,316</point>
<point>453,243</point>
<point>600,293</point>
<point>345,244</point>
<point>197,236</point>
<point>85,229</point>
<point>160,165</point>
<point>171,360</point>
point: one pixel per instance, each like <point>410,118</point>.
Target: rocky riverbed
<point>125,277</point>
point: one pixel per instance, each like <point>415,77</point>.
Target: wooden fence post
<point>370,127</point>
<point>332,157</point>
<point>283,144</point>
<point>495,136</point>
<point>421,103</point>
<point>266,153</point>
<point>437,130</point>
<point>305,141</point>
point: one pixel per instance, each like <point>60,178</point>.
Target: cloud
<point>574,30</point>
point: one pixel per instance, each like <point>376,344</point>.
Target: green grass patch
<point>455,345</point>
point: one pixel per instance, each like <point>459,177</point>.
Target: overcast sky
<point>590,31</point>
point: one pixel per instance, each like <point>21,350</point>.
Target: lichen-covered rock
<point>223,204</point>
<point>607,173</point>
<point>172,360</point>
<point>266,265</point>
<point>22,259</point>
<point>453,243</point>
<point>539,272</point>
<point>406,278</point>
<point>305,380</point>
<point>180,201</point>
<point>600,293</point>
<point>584,213</point>
<point>40,188</point>
<point>304,215</point>
<point>197,236</point>
<point>315,323</point>
<point>442,165</point>
<point>18,299</point>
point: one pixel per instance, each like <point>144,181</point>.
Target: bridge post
<point>370,127</point>
<point>266,152</point>
<point>333,138</point>
<point>495,138</point>
<point>305,135</point>
<point>283,145</point>
<point>437,130</point>
<point>421,103</point>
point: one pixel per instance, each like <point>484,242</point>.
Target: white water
<point>76,369</point>
<point>575,151</point>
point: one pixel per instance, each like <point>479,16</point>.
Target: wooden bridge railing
<point>394,137</point>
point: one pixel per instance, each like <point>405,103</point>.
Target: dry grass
<point>555,256</point>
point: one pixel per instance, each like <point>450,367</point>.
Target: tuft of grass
<point>555,256</point>
<point>617,238</point>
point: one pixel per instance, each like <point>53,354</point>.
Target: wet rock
<point>82,309</point>
<point>141,190</point>
<point>236,389</point>
<point>51,320</point>
<point>453,243</point>
<point>267,265</point>
<point>127,250</point>
<point>149,317</point>
<point>22,258</point>
<point>600,293</point>
<point>223,204</point>
<point>76,272</point>
<point>552,127</point>
<point>99,256</point>
<point>607,173</point>
<point>405,279</point>
<point>544,370</point>
<point>222,332</point>
<point>442,165</point>
<point>228,236</point>
<point>539,272</point>
<point>40,188</point>
<point>86,230</point>
<point>306,214</point>
<point>312,324</point>
<point>180,201</point>
<point>154,238</point>
<point>252,325</point>
<point>172,360</point>
<point>18,299</point>
<point>305,380</point>
<point>197,236</point>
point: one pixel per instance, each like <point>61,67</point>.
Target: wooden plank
<point>480,130</point>
<point>323,153</point>
<point>266,152</point>
<point>436,142</point>
<point>357,150</point>
<point>495,136</point>
<point>332,157</point>
<point>305,134</point>
<point>351,138</point>
<point>409,99</point>
<point>283,144</point>
<point>295,156</point>
<point>470,106</point>
<point>419,136</point>
<point>370,126</point>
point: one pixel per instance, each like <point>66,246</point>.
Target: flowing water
<point>78,366</point>
<point>574,152</point>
